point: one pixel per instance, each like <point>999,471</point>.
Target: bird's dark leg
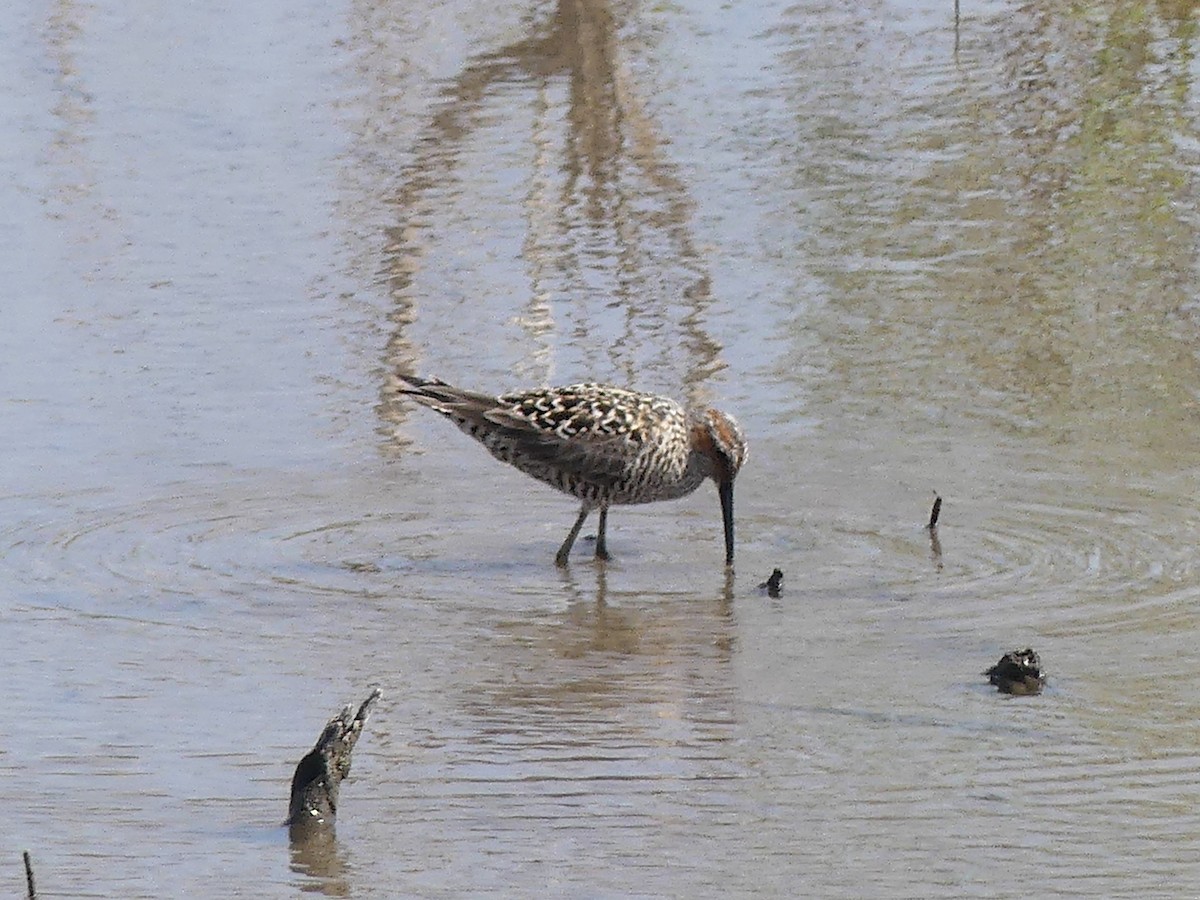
<point>601,545</point>
<point>560,558</point>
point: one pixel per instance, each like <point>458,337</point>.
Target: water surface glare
<point>911,252</point>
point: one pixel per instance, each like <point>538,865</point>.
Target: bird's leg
<point>560,558</point>
<point>601,546</point>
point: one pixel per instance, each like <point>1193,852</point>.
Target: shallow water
<point>911,254</point>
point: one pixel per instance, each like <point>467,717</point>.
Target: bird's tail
<point>415,386</point>
<point>445,398</point>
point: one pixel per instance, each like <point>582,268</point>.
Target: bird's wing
<point>590,431</point>
<point>598,456</point>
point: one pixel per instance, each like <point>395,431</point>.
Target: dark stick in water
<point>320,773</point>
<point>29,885</point>
<point>937,511</point>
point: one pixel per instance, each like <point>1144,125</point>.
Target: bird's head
<point>718,438</point>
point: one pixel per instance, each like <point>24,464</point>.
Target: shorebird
<point>604,445</point>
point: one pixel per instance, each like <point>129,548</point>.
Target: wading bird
<point>604,445</point>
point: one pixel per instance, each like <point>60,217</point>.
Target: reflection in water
<point>1102,245</point>
<point>586,694</point>
<point>319,858</point>
<point>935,548</point>
<point>1004,242</point>
<point>1058,292</point>
<point>74,200</point>
<point>614,275</point>
<point>1013,311</point>
<point>607,622</point>
<point>597,653</point>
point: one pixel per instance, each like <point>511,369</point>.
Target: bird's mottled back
<point>591,411</point>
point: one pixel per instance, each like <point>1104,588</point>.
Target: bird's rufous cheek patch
<point>727,432</point>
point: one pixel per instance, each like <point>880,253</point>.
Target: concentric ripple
<point>197,541</point>
<point>1080,560</point>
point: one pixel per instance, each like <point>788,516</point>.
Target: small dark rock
<point>322,770</point>
<point>1018,672</point>
<point>774,584</point>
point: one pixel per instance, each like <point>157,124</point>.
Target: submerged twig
<point>774,584</point>
<point>29,885</point>
<point>937,511</point>
<point>320,773</point>
<point>935,545</point>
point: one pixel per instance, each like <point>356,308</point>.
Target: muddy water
<point>911,253</point>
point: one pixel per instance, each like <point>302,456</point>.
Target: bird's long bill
<point>725,491</point>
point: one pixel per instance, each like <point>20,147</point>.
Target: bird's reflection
<point>592,624</point>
